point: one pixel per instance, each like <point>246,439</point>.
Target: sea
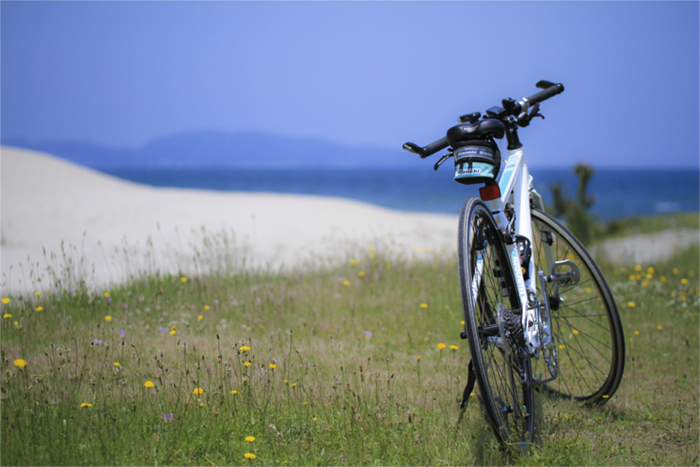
<point>618,193</point>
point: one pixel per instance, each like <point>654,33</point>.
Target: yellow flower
<point>417,357</point>
<point>453,347</point>
<point>206,308</point>
<point>562,346</point>
<point>361,274</point>
<point>249,455</point>
<point>273,366</point>
<point>574,332</point>
<point>149,384</point>
<point>116,364</point>
<point>86,404</point>
<point>605,396</point>
<point>200,317</point>
<point>684,281</point>
<point>441,346</point>
<point>234,392</point>
<point>633,277</point>
<point>659,327</point>
<point>5,301</point>
<point>675,271</point>
<point>198,391</point>
<point>630,304</point>
<point>247,363</point>
<point>424,305</point>
<point>250,439</point>
<point>650,276</point>
<point>37,293</point>
<point>372,255</point>
<point>636,333</point>
<point>292,385</point>
<point>183,279</point>
<point>106,294</point>
<point>201,404</point>
<point>663,278</point>
<point>244,348</point>
<point>173,327</point>
<point>462,322</point>
<point>645,283</point>
<point>173,332</point>
<point>637,268</point>
<point>108,318</point>
<point>587,290</point>
<point>7,315</point>
<point>353,261</point>
<point>20,363</point>
<point>346,283</point>
<point>39,308</point>
<point>650,270</point>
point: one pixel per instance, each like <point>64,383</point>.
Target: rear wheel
<point>491,303</point>
<point>586,325</point>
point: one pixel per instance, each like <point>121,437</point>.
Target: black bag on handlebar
<point>477,161</point>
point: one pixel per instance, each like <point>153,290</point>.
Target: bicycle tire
<point>508,402</point>
<point>586,325</point>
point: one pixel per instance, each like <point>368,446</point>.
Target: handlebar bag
<point>477,161</point>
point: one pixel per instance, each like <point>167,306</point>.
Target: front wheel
<point>586,325</point>
<point>490,301</point>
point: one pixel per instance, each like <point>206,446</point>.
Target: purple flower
<point>168,417</point>
<point>97,342</point>
<point>162,330</point>
<point>368,334</point>
<point>121,332</point>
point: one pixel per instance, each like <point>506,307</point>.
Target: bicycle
<point>538,313</point>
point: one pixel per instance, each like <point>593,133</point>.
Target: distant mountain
<point>215,149</point>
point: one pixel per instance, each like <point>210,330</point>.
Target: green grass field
<point>357,364</point>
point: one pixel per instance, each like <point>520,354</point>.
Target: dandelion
<point>424,305</point>
<point>234,392</point>
<point>200,317</point>
<point>183,279</point>
<point>650,270</point>
<point>574,332</point>
<point>247,363</point>
<point>249,455</point>
<point>292,385</point>
<point>173,332</point>
<point>675,270</point>
<point>630,304</point>
<point>250,439</point>
<point>650,276</point>
<point>659,327</point>
<point>201,404</point>
<point>37,293</point>
<point>108,318</point>
<point>149,384</point>
<point>198,391</point>
<point>462,322</point>
<point>637,268</point>
<point>272,366</point>
<point>633,277</point>
<point>684,281</point>
<point>116,364</point>
<point>418,357</point>
<point>86,405</point>
<point>314,419</point>
<point>361,274</point>
<point>454,347</point>
<point>441,346</point>
<point>5,301</point>
<point>645,283</point>
<point>353,261</point>
<point>244,348</point>
<point>636,333</point>
<point>106,294</point>
<point>39,308</point>
<point>168,417</point>
<point>20,363</point>
<point>346,283</point>
<point>207,308</point>
<point>587,290</point>
<point>605,396</point>
<point>7,315</point>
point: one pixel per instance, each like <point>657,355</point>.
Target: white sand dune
<point>119,228</point>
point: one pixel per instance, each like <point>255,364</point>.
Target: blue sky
<point>122,74</point>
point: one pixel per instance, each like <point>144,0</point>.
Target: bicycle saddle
<point>483,129</point>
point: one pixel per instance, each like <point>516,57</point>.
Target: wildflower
<point>106,294</point>
<point>684,281</point>
<point>574,332</point>
<point>462,322</point>
<point>453,347</point>
<point>183,279</point>
<point>441,346</point>
<point>86,405</point>
<point>417,357</point>
<point>272,366</point>
<point>173,327</point>
<point>122,332</point>
<point>633,277</point>
<point>250,439</point>
<point>39,308</point>
<point>636,333</point>
<point>97,342</point>
<point>161,329</point>
<point>650,270</point>
<point>361,274</point>
<point>637,268</point>
<point>346,283</point>
<point>173,332</point>
<point>7,315</point>
<point>5,301</point>
<point>15,323</point>
<point>149,384</point>
<point>168,417</point>
<point>645,283</point>
<point>200,317</point>
<point>675,270</point>
<point>314,419</point>
<point>630,304</point>
<point>234,392</point>
<point>108,318</point>
<point>372,255</point>
<point>292,385</point>
<point>19,363</point>
<point>244,348</point>
<point>659,327</point>
<point>247,363</point>
<point>198,391</point>
<point>207,308</point>
<point>285,381</point>
<point>37,293</point>
<point>663,278</point>
<point>587,290</point>
<point>605,396</point>
<point>116,364</point>
<point>249,455</point>
<point>201,404</point>
<point>562,346</point>
<point>353,261</point>
<point>368,334</point>
<point>650,276</point>
<point>424,305</point>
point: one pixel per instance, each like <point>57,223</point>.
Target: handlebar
<point>519,110</point>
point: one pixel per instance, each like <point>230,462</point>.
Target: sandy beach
<point>60,220</point>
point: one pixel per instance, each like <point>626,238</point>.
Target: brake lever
<point>524,120</point>
<point>442,159</point>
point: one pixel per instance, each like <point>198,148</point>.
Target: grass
<point>645,224</point>
<point>333,365</point>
